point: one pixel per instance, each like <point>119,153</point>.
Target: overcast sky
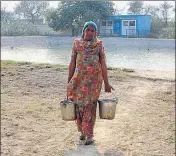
<point>122,5</point>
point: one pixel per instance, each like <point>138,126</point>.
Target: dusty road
<point>31,121</point>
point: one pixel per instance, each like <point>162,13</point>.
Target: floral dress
<point>85,85</point>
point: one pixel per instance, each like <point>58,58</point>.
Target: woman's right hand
<point>108,88</point>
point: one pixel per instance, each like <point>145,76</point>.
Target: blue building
<point>125,26</point>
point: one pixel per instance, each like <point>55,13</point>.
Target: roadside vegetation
<point>26,18</point>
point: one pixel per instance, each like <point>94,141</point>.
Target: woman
<point>86,70</point>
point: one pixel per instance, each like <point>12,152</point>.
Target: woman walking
<point>87,70</point>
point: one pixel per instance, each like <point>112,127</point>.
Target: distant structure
<point>125,26</point>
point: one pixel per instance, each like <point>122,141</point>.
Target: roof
<point>124,16</point>
<point>129,15</point>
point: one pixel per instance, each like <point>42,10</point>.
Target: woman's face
<point>89,33</point>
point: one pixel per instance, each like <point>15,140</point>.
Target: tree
<point>118,11</point>
<point>135,7</point>
<point>165,8</point>
<point>31,10</point>
<point>6,16</point>
<point>72,14</point>
<point>151,10</point>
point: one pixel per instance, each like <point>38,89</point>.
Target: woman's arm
<point>104,71</point>
<point>108,87</point>
<point>72,64</point>
<point>71,69</point>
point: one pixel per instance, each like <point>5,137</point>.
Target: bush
<point>156,25</point>
<point>168,32</point>
<point>18,28</point>
<point>152,35</point>
<point>158,30</point>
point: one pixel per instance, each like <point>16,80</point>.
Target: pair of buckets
<point>107,109</point>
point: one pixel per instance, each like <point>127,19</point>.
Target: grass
<point>9,66</point>
<point>5,64</point>
<point>121,69</point>
<point>47,65</point>
<point>4,91</point>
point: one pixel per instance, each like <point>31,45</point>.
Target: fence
<point>128,33</point>
<point>137,33</point>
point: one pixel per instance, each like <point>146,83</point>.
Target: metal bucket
<point>68,110</point>
<point>107,108</point>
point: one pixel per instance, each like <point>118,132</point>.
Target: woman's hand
<point>108,88</point>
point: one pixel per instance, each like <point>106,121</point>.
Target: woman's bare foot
<point>88,141</point>
<point>82,137</point>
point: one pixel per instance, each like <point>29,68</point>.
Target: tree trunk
<point>166,19</point>
<point>73,32</point>
<point>32,19</point>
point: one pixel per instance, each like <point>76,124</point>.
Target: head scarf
<point>87,24</point>
<point>90,23</point>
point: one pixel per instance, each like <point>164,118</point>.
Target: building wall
<point>107,28</point>
<point>117,27</point>
<point>118,22</point>
<point>143,24</point>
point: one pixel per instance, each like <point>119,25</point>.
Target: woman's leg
<point>85,121</point>
<point>78,121</point>
<point>88,120</point>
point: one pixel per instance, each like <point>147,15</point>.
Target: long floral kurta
<point>85,85</point>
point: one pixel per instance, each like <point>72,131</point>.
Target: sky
<point>122,5</point>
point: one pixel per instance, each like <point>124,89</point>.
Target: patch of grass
<point>121,69</point>
<point>112,68</point>
<point>3,109</point>
<point>9,63</point>
<point>61,67</point>
<point>41,65</point>
<point>4,91</point>
<point>23,63</point>
<point>47,65</point>
<point>127,70</point>
<point>119,74</point>
<point>5,64</point>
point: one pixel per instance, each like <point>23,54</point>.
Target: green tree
<point>151,10</point>
<point>31,10</point>
<point>158,24</point>
<point>165,8</point>
<point>135,7</point>
<point>6,16</point>
<point>73,14</point>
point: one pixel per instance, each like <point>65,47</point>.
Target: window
<point>132,23</point>
<point>103,23</point>
<point>125,23</point>
<point>109,23</point>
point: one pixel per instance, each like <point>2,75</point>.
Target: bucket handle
<point>114,95</point>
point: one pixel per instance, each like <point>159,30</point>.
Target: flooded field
<point>145,54</point>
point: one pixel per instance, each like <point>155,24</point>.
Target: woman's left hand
<point>108,88</point>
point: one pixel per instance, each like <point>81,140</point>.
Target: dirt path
<point>32,125</point>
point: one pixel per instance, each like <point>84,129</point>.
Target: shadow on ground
<point>91,150</point>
